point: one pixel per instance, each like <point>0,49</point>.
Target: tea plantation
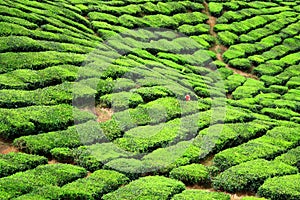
<point>149,99</point>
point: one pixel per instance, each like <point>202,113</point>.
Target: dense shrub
<point>94,186</point>
<point>44,175</point>
<point>121,101</point>
<point>31,79</point>
<point>37,119</point>
<point>81,134</point>
<point>190,18</point>
<point>93,157</point>
<point>270,145</point>
<point>279,113</point>
<point>243,64</point>
<point>227,38</point>
<point>234,81</point>
<point>215,8</point>
<point>191,174</point>
<point>42,193</point>
<point>165,159</point>
<point>221,136</point>
<point>250,175</point>
<point>152,187</point>
<point>14,162</point>
<point>281,188</point>
<point>38,60</point>
<point>64,155</point>
<point>292,157</point>
<point>200,195</point>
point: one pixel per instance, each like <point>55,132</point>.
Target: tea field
<point>149,99</point>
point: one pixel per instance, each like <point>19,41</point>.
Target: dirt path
<point>7,147</point>
<point>218,48</point>
<point>103,114</point>
<point>236,196</point>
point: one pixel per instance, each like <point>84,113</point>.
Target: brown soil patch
<point>208,161</point>
<point>88,174</point>
<point>53,161</point>
<point>220,49</point>
<point>212,22</point>
<point>237,196</point>
<point>240,72</point>
<point>7,147</point>
<point>103,114</point>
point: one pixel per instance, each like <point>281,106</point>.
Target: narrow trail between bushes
<point>7,147</point>
<point>103,114</point>
<point>218,48</point>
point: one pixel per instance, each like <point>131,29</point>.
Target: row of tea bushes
<point>33,79</point>
<point>93,187</point>
<point>44,175</point>
<point>15,162</point>
<point>251,175</point>
<point>37,119</point>
<point>152,187</point>
<point>74,136</point>
<point>273,143</point>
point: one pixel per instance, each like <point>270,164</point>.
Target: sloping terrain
<point>149,99</point>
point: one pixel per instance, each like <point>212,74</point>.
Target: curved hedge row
<point>281,188</point>
<point>15,162</point>
<point>152,187</point>
<point>44,175</point>
<point>249,176</point>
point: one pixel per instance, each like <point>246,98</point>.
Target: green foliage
<point>191,174</point>
<point>81,134</point>
<point>250,175</point>
<point>93,157</point>
<point>233,82</point>
<point>281,188</point>
<point>165,159</point>
<point>31,79</point>
<point>62,154</point>
<point>47,96</point>
<point>14,162</point>
<point>200,195</point>
<point>280,113</point>
<point>94,186</point>
<point>222,136</point>
<point>249,89</point>
<point>193,30</point>
<point>131,167</point>
<point>98,16</point>
<point>153,93</point>
<point>232,54</point>
<point>215,8</point>
<point>37,60</point>
<point>121,101</point>
<point>44,175</point>
<point>227,38</point>
<point>270,145</point>
<point>42,193</point>
<point>151,187</point>
<point>294,82</point>
<point>37,119</point>
<point>192,18</point>
<point>278,89</point>
<point>240,63</point>
<point>292,157</point>
<point>267,69</point>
